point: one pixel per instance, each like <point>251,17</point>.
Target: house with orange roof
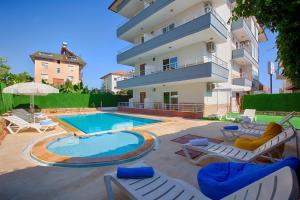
<point>56,68</point>
<point>110,80</point>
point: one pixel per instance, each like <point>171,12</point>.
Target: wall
<point>52,73</point>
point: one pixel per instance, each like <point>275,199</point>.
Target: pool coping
<point>40,153</point>
<point>78,133</point>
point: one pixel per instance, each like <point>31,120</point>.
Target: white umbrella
<point>31,89</point>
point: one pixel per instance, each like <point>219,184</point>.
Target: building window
<point>57,70</point>
<point>168,28</point>
<point>71,68</point>
<point>70,78</point>
<point>115,79</point>
<point>44,65</point>
<point>170,63</point>
<point>44,77</point>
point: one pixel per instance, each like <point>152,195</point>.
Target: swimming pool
<point>93,150</point>
<point>106,144</point>
<point>99,122</point>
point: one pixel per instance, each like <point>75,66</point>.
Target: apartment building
<point>287,86</point>
<point>54,68</point>
<point>186,57</point>
<point>110,80</point>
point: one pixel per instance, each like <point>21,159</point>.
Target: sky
<point>87,26</point>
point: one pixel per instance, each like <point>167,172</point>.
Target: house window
<point>71,68</point>
<point>168,28</point>
<point>57,70</point>
<point>115,79</point>
<point>44,77</point>
<point>44,65</point>
<point>142,70</point>
<point>170,63</point>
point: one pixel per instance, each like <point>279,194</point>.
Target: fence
<point>63,100</point>
<point>6,100</point>
<point>272,102</point>
<point>181,107</point>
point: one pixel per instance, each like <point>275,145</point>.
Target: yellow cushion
<point>251,144</point>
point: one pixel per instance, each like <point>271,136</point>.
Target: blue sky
<point>88,27</point>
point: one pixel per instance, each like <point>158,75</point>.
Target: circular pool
<point>102,149</point>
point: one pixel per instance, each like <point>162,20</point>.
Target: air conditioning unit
<point>210,87</point>
<point>207,7</point>
<point>211,47</point>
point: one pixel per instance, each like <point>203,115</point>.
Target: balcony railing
<point>159,31</point>
<point>189,63</point>
<point>180,107</point>
<point>146,5</point>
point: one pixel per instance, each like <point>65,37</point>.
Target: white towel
<point>199,142</point>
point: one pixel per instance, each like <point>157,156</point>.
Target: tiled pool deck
<point>22,179</point>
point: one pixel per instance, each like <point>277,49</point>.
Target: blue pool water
<point>106,144</point>
<point>104,121</point>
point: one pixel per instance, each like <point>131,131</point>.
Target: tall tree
<point>282,17</point>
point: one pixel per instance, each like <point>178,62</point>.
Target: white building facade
<point>110,81</point>
<point>186,55</point>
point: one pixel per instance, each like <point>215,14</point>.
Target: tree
<point>9,78</point>
<point>282,17</point>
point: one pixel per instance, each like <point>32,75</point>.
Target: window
<point>71,68</point>
<point>44,77</point>
<point>44,65</point>
<point>57,70</point>
<point>142,70</point>
<point>142,39</point>
<point>115,79</point>
<point>170,63</point>
<point>168,28</point>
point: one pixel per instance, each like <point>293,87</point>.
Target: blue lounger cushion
<point>218,180</point>
<point>199,142</point>
<point>46,122</point>
<point>231,128</point>
<point>135,173</point>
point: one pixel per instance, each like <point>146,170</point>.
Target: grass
<point>295,121</point>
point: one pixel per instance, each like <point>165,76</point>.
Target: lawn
<point>295,121</point>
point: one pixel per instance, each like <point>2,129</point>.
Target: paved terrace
<point>23,179</point>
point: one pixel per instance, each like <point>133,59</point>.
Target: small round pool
<point>96,150</point>
<point>106,144</point>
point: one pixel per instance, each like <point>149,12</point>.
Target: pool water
<point>98,122</point>
<point>106,144</point>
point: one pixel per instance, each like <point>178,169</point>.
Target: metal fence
<point>180,107</point>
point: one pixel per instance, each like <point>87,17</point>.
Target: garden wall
<point>63,100</point>
<point>272,102</point>
<point>6,100</point>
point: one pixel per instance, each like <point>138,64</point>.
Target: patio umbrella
<point>31,89</point>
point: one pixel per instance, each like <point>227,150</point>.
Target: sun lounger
<point>20,124</point>
<point>230,135</point>
<point>27,116</point>
<point>262,126</point>
<point>231,153</point>
<point>162,187</point>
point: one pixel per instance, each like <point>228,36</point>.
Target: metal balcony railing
<point>180,107</point>
<point>159,31</point>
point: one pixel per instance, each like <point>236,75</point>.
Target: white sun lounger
<point>162,187</point>
<point>20,124</point>
<point>231,153</point>
<point>230,135</point>
<point>262,126</point>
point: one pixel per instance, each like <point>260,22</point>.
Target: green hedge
<point>6,100</point>
<point>63,100</point>
<point>272,102</point>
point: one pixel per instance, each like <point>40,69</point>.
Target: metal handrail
<point>180,107</point>
<point>185,21</point>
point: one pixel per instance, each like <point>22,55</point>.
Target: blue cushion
<point>230,127</point>
<point>46,122</point>
<point>226,178</point>
<point>135,173</point>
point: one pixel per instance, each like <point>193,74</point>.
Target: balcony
<point>242,82</point>
<point>208,27</point>
<point>242,56</point>
<point>242,30</point>
<point>203,69</point>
